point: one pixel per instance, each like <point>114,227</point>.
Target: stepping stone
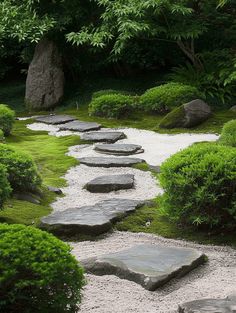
<point>119,149</point>
<point>55,119</point>
<point>80,126</point>
<point>227,305</point>
<point>105,184</point>
<point>103,136</point>
<point>110,161</point>
<point>151,266</point>
<point>92,220</point>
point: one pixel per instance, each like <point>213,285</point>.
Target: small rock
<point>56,190</point>
<point>27,197</point>
<point>233,108</point>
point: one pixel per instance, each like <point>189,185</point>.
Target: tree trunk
<point>189,51</point>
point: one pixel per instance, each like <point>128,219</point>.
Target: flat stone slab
<point>110,161</point>
<point>119,149</point>
<point>103,136</point>
<point>55,119</point>
<point>227,305</point>
<point>148,265</point>
<point>80,126</point>
<point>110,183</point>
<point>91,220</point>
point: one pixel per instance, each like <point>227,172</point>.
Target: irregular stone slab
<point>103,136</point>
<point>110,162</point>
<point>119,149</point>
<point>91,220</point>
<point>55,119</point>
<point>227,305</point>
<point>110,183</point>
<point>80,126</point>
<point>148,265</point>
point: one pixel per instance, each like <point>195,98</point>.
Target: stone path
<point>83,211</point>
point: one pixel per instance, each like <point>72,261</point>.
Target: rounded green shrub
<point>106,92</point>
<point>7,118</point>
<point>228,135</point>
<point>1,136</point>
<point>22,171</point>
<point>38,273</point>
<point>111,106</point>
<point>5,188</point>
<point>164,97</point>
<point>200,186</point>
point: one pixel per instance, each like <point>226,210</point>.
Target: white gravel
<point>109,294</point>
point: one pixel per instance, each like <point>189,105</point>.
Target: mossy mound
<point>174,119</point>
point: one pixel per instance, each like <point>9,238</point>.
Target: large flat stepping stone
<point>110,161</point>
<point>103,136</point>
<point>55,119</point>
<point>227,305</point>
<point>110,183</point>
<point>92,220</point>
<point>80,126</point>
<point>119,149</point>
<point>148,265</point>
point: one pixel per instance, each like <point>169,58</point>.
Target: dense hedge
<point>5,188</point>
<point>1,136</point>
<point>111,105</point>
<point>106,92</point>
<point>22,171</point>
<point>165,97</point>
<point>228,135</point>
<point>200,186</point>
<point>7,117</point>
<point>38,273</point>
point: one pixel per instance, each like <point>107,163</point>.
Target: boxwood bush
<point>111,106</point>
<point>228,135</point>
<point>5,188</point>
<point>22,171</point>
<point>38,273</point>
<point>1,136</point>
<point>200,186</point>
<point>165,97</point>
<point>7,117</point>
<point>106,92</point>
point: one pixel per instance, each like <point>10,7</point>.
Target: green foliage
<point>38,273</point>
<point>228,135</point>
<point>111,105</point>
<point>200,186</point>
<point>7,117</point>
<point>106,92</point>
<point>1,136</point>
<point>162,98</point>
<point>22,172</point>
<point>173,119</point>
<point>5,188</point>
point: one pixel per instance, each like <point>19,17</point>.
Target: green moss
<point>173,119</point>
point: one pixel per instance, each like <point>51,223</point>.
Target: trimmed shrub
<point>228,135</point>
<point>200,186</point>
<point>38,273</point>
<point>5,189</point>
<point>7,118</point>
<point>106,92</point>
<point>163,98</point>
<point>111,106</point>
<point>1,136</point>
<point>22,172</point>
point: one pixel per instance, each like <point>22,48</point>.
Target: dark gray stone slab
<point>119,149</point>
<point>55,119</point>
<point>80,126</point>
<point>103,136</point>
<point>227,305</point>
<point>92,220</point>
<point>148,265</point>
<point>56,190</point>
<point>110,183</point>
<point>110,161</point>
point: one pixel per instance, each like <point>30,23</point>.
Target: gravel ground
<point>109,294</point>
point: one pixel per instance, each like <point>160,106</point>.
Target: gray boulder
<point>233,108</point>
<point>187,115</point>
<point>45,79</point>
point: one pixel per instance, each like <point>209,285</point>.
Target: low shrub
<point>106,92</point>
<point>164,97</point>
<point>7,117</point>
<point>228,135</point>
<point>111,106</point>
<point>38,273</point>
<point>22,172</point>
<point>1,136</point>
<point>5,188</point>
<point>200,186</point>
